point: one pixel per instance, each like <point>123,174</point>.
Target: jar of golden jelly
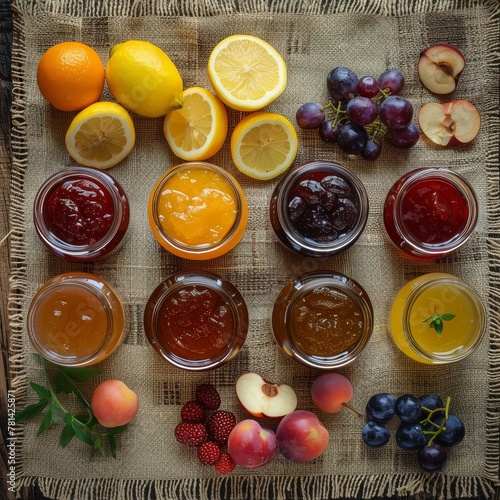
<point>319,209</point>
<point>81,214</point>
<point>75,319</point>
<point>196,320</point>
<point>197,211</point>
<point>323,319</point>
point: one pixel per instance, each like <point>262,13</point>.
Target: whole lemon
<point>143,79</point>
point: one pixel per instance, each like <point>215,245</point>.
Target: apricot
<point>114,404</point>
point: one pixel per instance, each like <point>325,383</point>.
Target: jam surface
<point>433,211</point>
<point>196,323</point>
<point>323,206</point>
<point>326,321</point>
<point>79,211</point>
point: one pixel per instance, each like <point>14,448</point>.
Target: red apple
<point>261,398</point>
<point>301,436</point>
<point>449,123</point>
<point>250,445</point>
<point>440,67</point>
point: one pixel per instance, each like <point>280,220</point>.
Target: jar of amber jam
<point>430,212</point>
<point>319,209</point>
<point>437,318</point>
<point>75,319</point>
<point>196,320</point>
<point>81,214</point>
<point>323,319</point>
<point>197,211</point>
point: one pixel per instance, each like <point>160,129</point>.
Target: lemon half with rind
<point>101,135</point>
<point>246,72</point>
<point>264,145</point>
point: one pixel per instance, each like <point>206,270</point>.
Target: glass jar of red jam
<point>197,211</point>
<point>81,214</point>
<point>196,320</point>
<point>319,209</point>
<point>323,319</point>
<point>430,212</point>
<point>75,319</point>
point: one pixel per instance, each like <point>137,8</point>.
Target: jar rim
<point>204,249</point>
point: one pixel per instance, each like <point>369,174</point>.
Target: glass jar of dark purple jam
<point>81,214</point>
<point>319,209</point>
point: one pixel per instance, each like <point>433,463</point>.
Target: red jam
<point>79,211</point>
<point>323,206</point>
<point>196,323</point>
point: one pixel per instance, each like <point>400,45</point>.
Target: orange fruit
<point>70,76</point>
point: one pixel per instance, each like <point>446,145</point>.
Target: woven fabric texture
<point>313,37</point>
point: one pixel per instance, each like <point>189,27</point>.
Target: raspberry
<point>220,424</point>
<point>224,464</point>
<point>207,396</point>
<point>190,434</point>
<point>192,412</point>
<point>208,453</point>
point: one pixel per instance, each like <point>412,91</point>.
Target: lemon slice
<point>263,145</point>
<point>246,73</point>
<point>101,135</point>
<point>197,130</point>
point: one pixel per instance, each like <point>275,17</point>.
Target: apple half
<point>262,398</point>
<point>440,67</point>
<point>449,123</point>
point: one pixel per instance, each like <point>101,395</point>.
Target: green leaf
<point>50,417</point>
<point>64,384</point>
<point>82,433</point>
<point>438,327</point>
<point>114,431</point>
<point>42,392</point>
<point>428,319</point>
<point>79,374</point>
<point>112,445</point>
<point>67,434</point>
<point>447,316</point>
<point>31,411</point>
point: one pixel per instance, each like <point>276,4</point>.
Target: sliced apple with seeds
<point>262,398</point>
<point>449,123</point>
<point>440,67</point>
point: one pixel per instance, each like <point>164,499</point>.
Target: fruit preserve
<point>437,318</point>
<point>323,319</point>
<point>196,320</point>
<point>81,214</point>
<point>430,212</point>
<point>319,209</point>
<point>75,319</point>
<point>197,211</point>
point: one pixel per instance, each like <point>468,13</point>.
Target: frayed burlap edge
<point>438,486</point>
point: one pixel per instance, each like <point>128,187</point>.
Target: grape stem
<point>437,428</point>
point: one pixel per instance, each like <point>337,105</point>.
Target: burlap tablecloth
<point>313,37</point>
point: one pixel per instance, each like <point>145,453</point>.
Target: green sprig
<point>84,427</point>
<point>435,429</point>
<point>436,321</point>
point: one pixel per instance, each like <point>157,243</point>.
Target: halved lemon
<point>101,135</point>
<point>263,145</point>
<point>197,130</point>
<point>246,72</point>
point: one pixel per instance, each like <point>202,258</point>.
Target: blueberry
<point>380,407</point>
<point>408,408</point>
<point>375,434</point>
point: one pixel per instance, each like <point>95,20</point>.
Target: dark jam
<point>433,211</point>
<point>79,211</point>
<point>196,323</point>
<point>323,206</point>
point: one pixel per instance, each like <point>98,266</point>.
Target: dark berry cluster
<point>362,112</point>
<point>426,426</point>
<point>207,428</point>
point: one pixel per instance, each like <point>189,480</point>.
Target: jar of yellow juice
<point>437,318</point>
<point>197,211</point>
<point>75,319</point>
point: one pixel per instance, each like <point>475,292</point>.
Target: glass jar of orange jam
<point>323,319</point>
<point>197,211</point>
<point>196,320</point>
<point>75,319</point>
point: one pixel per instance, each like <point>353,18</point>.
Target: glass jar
<point>75,319</point>
<point>81,214</point>
<point>196,320</point>
<point>437,318</point>
<point>197,211</point>
<point>319,209</point>
<point>323,319</point>
<point>430,212</point>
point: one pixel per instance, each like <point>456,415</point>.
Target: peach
<point>114,404</point>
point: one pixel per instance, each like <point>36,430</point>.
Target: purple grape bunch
<point>362,112</point>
